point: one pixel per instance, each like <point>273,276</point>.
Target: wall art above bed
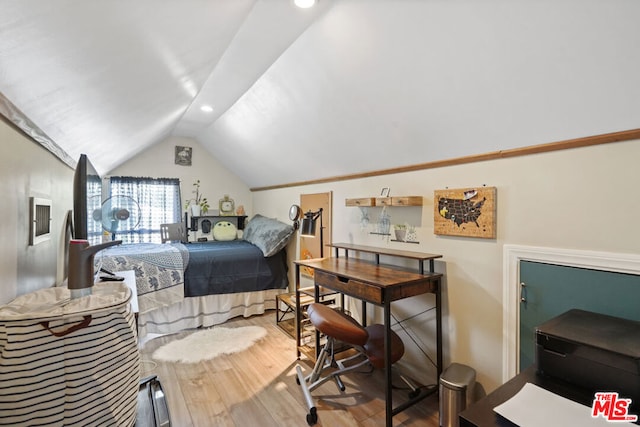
<point>183,155</point>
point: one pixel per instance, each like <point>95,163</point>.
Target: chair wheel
<point>312,417</point>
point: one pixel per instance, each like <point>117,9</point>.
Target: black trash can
<point>456,392</point>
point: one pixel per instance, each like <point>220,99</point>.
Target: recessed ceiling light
<point>304,4</point>
<point>207,108</point>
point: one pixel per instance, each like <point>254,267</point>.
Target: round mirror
<point>294,212</point>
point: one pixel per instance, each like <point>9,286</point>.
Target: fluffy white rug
<point>209,343</point>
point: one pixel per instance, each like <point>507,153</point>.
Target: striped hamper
<point>69,362</point>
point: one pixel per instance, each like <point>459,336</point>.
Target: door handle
<point>523,292</point>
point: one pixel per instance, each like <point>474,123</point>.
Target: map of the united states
<point>460,211</point>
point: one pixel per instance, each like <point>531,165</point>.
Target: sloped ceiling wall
<point>385,84</point>
<point>350,86</point>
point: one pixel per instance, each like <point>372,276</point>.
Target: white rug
<point>209,343</point>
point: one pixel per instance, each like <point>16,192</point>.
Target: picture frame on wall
<point>465,212</point>
<point>183,155</point>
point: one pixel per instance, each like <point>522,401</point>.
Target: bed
<point>201,284</point>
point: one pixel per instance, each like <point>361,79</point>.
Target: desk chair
<point>339,327</point>
<point>172,232</point>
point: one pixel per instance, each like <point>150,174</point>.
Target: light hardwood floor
<point>257,387</point>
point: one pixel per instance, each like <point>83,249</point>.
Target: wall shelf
<point>383,226</point>
<point>362,202</point>
<point>237,220</point>
<point>406,241</point>
<point>385,201</point>
<point>194,223</point>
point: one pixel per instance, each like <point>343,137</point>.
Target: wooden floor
<point>257,387</point>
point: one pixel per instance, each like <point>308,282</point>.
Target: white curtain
<point>159,202</point>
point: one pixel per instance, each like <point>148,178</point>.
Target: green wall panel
<point>551,290</point>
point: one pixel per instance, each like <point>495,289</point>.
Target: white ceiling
<point>366,84</point>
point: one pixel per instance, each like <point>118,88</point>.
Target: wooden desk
<point>381,286</point>
<point>421,257</point>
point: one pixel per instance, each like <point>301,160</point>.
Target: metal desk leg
<point>298,312</point>
<point>387,364</point>
<point>316,298</point>
<point>364,313</point>
<point>439,328</point>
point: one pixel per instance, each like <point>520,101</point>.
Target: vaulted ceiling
<point>348,86</point>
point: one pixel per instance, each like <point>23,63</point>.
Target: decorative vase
<point>195,210</point>
<point>384,223</point>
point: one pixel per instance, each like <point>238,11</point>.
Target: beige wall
<point>582,198</point>
<point>216,180</point>
<point>28,170</point>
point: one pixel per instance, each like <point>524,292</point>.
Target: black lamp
<point>308,227</point>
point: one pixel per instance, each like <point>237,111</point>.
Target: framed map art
<point>467,212</point>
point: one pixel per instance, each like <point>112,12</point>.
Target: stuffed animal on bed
<point>224,231</point>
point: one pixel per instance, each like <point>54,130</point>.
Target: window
<point>159,202</point>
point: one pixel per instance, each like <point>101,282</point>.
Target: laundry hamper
<point>69,362</point>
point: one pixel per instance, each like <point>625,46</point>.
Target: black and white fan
<point>119,214</point>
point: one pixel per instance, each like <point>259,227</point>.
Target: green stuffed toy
<point>224,231</point>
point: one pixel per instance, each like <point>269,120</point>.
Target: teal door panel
<point>550,290</point>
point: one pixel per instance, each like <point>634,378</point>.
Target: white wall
<point>28,170</point>
<point>582,198</point>
<point>215,179</point>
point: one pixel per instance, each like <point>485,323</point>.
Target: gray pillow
<point>270,235</point>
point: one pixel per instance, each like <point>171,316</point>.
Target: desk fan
<point>118,214</point>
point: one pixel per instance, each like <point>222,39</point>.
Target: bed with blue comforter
<point>230,267</point>
<point>189,285</point>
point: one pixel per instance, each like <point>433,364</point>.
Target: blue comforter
<point>217,267</point>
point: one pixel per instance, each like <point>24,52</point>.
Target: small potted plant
<point>199,204</point>
<point>401,231</point>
